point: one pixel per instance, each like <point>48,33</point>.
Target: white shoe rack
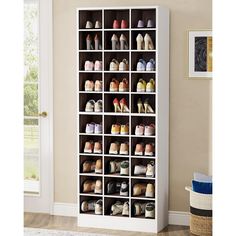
<point>159,100</point>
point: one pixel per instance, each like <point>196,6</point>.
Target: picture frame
<point>200,54</point>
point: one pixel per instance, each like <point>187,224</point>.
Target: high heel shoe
<point>123,42</point>
<point>139,40</point>
<point>147,107</point>
<point>89,42</point>
<point>140,106</point>
<point>148,42</point>
<point>114,42</point>
<point>123,105</point>
<point>98,46</point>
<point>116,105</point>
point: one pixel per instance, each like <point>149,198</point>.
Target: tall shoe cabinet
<point>159,101</point>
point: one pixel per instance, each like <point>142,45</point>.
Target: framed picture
<point>200,54</point>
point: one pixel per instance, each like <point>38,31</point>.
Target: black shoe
<point>113,187</point>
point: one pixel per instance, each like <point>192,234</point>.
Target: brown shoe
<point>139,149</point>
<point>139,189</point>
<point>150,190</point>
<point>98,166</point>
<point>88,166</point>
<point>114,148</point>
<point>149,149</point>
<point>98,186</point>
<point>88,186</point>
<point>124,149</point>
<point>97,147</point>
<point>88,147</point>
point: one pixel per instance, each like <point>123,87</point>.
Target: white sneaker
<point>88,66</point>
<point>150,210</point>
<point>139,130</point>
<point>90,128</point>
<point>149,130</point>
<point>98,65</point>
<point>89,25</point>
<point>98,25</point>
<point>124,168</point>
<point>150,169</point>
<point>98,129</point>
<point>140,170</point>
<point>98,106</point>
<point>98,207</point>
<point>90,106</point>
<point>125,211</point>
<point>124,65</point>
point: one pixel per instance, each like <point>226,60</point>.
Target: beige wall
<point>190,100</point>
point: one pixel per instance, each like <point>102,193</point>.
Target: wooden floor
<point>46,221</point>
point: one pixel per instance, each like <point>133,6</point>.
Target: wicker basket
<point>200,213</point>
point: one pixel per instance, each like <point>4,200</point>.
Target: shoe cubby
<point>143,15</point>
<point>138,209</point>
<point>110,120</point>
<point>87,40</point>
<point>150,33</point>
<point>108,102</point>
<point>115,14</point>
<point>110,148</point>
<point>91,15</point>
<point>135,77</point>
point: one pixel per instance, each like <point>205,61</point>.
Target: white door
<point>38,158</point>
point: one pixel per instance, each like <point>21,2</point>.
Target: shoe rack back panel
<point>158,101</point>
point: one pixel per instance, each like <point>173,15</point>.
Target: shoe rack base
<point>159,100</point>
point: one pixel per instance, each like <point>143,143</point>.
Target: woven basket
<point>200,225</point>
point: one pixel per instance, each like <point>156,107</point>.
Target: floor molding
<point>70,209</point>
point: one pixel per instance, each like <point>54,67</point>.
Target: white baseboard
<point>70,209</point>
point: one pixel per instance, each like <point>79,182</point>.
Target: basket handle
<point>188,188</point>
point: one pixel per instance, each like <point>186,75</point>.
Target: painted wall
<point>190,100</point>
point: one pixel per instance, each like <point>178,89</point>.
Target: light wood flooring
<point>45,221</point>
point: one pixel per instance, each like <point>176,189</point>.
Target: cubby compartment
<point>85,97</point>
<point>135,33</point>
<point>114,185</point>
<point>108,165</point>
<point>89,200</point>
<point>110,120</point>
<point>84,139</point>
<point>83,35</point>
<point>111,139</point>
<point>108,36</point>
<point>88,76</point>
<point>118,76</point>
<point>139,186</point>
<point>93,159</point>
<point>108,204</point>
<point>89,183</point>
<point>137,169</point>
<point>138,209</point>
<point>141,120</point>
<point>92,57</point>
<point>144,15</point>
<point>87,119</point>
<point>115,14</point>
<point>145,141</point>
<point>145,76</point>
<point>146,56</point>
<point>109,98</point>
<point>150,99</point>
<point>91,15</point>
<point>119,56</point>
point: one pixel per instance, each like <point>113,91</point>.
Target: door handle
<point>43,114</point>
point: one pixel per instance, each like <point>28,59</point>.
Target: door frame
<point>46,43</point>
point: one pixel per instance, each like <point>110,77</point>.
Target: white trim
<point>70,209</point>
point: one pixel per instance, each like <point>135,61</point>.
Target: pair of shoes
<point>92,166</point>
<point>140,150</point>
<point>92,106</point>
<point>90,66</point>
<point>147,209</point>
<point>117,24</point>
<point>121,44</point>
<point>120,208</point>
<point>146,130</point>
<point>117,148</point>
<point>148,170</point>
<point>144,43</point>
<point>89,45</point>
<point>92,205</point>
<point>93,128</point>
<point>91,86</point>
<point>117,166</point>
<point>93,147</point>
<point>144,107</point>
<point>89,25</point>
<point>92,186</point>
<point>114,187</point>
<point>143,66</point>
<point>116,66</point>
<point>150,24</point>
<point>142,86</point>
<point>142,188</point>
<point>120,129</point>
<point>120,106</point>
<point>116,86</point>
